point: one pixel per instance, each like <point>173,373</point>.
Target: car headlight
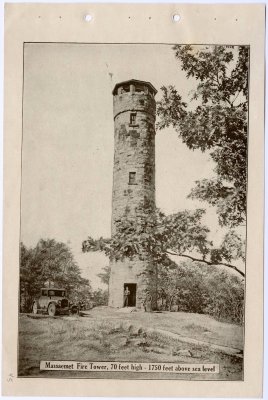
<point>59,302</point>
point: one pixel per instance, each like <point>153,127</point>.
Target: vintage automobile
<point>52,301</point>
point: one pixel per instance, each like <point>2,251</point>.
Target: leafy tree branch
<point>215,120</point>
<point>154,235</point>
<point>207,262</point>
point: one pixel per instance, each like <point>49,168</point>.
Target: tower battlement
<point>134,86</point>
<point>134,95</point>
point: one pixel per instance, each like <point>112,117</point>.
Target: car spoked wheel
<point>51,309</point>
<point>35,308</point>
<point>74,310</point>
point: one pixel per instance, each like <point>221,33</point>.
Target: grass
<point>106,335</point>
<point>197,326</point>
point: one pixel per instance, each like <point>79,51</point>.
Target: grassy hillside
<point>106,335</point>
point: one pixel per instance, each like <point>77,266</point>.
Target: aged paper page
<point>133,200</point>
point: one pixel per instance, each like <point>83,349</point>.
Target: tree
<point>154,235</point>
<point>30,277</point>
<point>202,290</point>
<point>50,263</point>
<point>215,120</point>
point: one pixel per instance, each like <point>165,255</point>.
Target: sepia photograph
<point>133,218</point>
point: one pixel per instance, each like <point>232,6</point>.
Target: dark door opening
<point>130,294</point>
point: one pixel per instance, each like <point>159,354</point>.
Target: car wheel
<point>74,310</point>
<point>35,310</point>
<point>51,309</point>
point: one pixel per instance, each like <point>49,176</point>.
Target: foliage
<point>192,287</point>
<point>105,275</point>
<point>231,248</point>
<point>50,263</point>
<point>100,297</point>
<point>202,290</point>
<point>215,120</point>
<point>151,232</point>
<point>181,286</point>
<point>153,235</point>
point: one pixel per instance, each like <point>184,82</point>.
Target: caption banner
<point>129,367</point>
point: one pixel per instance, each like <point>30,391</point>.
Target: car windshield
<point>59,293</point>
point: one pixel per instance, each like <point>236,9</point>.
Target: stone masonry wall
<point>134,152</point>
<point>127,271</point>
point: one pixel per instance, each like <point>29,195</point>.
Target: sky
<point>67,150</point>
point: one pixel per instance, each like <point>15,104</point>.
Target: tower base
<point>128,276</point>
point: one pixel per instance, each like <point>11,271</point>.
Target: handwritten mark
<point>10,377</point>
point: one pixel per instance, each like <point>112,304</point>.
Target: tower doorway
<point>130,290</point>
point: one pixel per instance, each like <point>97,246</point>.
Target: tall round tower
<point>133,179</point>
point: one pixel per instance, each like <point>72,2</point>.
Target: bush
<point>203,289</point>
<point>100,297</point>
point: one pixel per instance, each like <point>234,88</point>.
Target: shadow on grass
<point>41,316</point>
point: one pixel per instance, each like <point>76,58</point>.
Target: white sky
<point>68,142</point>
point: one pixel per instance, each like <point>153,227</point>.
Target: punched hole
<point>88,17</point>
<point>176,17</point>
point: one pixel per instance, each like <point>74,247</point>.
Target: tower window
<point>132,118</point>
<point>132,178</point>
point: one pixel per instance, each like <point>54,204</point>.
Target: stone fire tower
<point>133,178</point>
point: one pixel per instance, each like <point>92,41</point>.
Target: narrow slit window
<point>132,178</point>
<point>132,118</point>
